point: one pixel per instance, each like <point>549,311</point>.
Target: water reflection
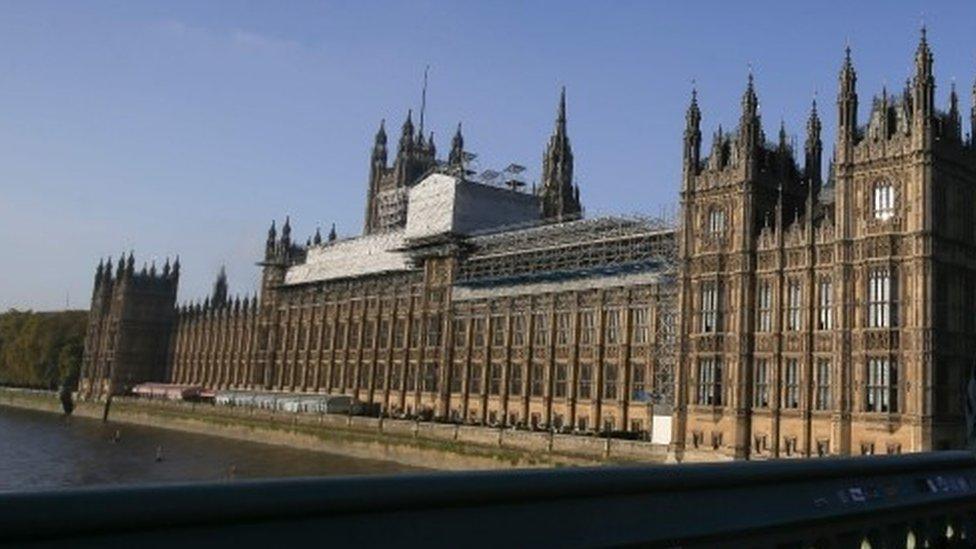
<point>41,450</point>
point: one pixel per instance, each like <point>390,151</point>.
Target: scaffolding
<point>570,246</point>
<point>621,250</point>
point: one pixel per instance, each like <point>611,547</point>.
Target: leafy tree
<point>41,349</point>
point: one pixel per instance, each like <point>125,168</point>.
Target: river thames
<point>45,451</point>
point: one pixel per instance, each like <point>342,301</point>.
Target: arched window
<point>883,203</point>
<point>716,222</point>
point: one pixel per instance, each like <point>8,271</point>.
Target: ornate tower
<point>386,199</point>
<point>560,198</point>
<point>129,328</point>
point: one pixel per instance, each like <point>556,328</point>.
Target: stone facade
<point>829,319</point>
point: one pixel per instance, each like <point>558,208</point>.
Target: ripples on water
<point>42,450</point>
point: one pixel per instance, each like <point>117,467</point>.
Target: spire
<point>121,269</point>
<point>813,147</point>
<point>219,296</point>
<point>99,272</point>
<point>332,233</point>
<point>693,133</point>
<point>318,237</point>
<point>166,269</point>
<point>152,269</point>
<point>286,234</point>
<point>924,84</point>
<point>749,125</point>
<point>783,145</point>
<point>423,105</point>
<point>559,201</point>
<point>431,148</point>
<point>406,135</point>
<point>847,100</point>
<point>176,268</point>
<point>955,120</point>
<point>561,117</point>
<point>750,103</point>
<point>456,157</point>
<point>130,264</point>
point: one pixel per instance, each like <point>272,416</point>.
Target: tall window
<point>430,376</point>
<point>537,379</point>
<point>399,332</point>
<point>540,329</point>
<point>610,376</point>
<point>765,306</point>
<point>327,338</point>
<point>585,380</point>
<point>384,334</point>
<point>791,383</point>
<point>457,376</point>
<point>639,326</point>
<point>515,380</point>
<point>460,332</point>
<point>474,384</point>
<point>495,379</point>
<point>562,328</point>
<point>881,288</point>
<point>433,330</point>
<point>716,222</point>
<point>518,330</point>
<point>794,316</point>
<point>760,384</point>
<point>710,381</point>
<point>368,335</point>
<point>561,380</point>
<point>613,326</point>
<point>825,315</point>
<point>882,386</point>
<point>884,200</point>
<point>415,328</point>
<point>379,376</point>
<point>821,397</point>
<point>411,377</point>
<point>395,376</point>
<point>498,331</point>
<point>478,332</point>
<point>587,328</point>
<point>638,377</point>
<point>709,307</point>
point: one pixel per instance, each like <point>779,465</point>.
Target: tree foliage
<point>41,349</point>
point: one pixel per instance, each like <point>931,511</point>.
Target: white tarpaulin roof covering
<point>372,254</point>
<point>440,204</point>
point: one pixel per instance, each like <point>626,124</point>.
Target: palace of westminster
<point>790,312</point>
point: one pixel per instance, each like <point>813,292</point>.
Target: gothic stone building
<point>462,301</point>
<point>829,319</point>
<point>815,315</point>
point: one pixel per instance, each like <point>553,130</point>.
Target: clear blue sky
<point>185,127</point>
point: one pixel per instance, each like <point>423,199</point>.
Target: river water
<point>41,450</point>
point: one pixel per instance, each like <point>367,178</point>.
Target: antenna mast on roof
<point>423,101</point>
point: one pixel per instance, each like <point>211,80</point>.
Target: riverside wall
<point>420,444</point>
